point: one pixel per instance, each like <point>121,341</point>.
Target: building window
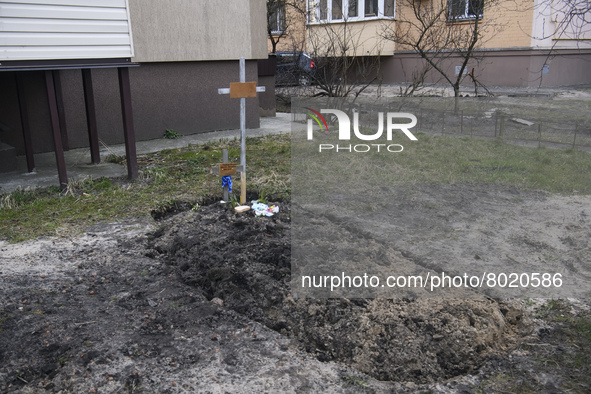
<point>465,9</point>
<point>337,9</point>
<point>389,8</point>
<point>353,10</point>
<point>371,7</point>
<point>277,19</point>
<point>323,10</point>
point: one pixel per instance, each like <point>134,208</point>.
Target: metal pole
<point>128,128</point>
<point>93,139</point>
<point>24,113</point>
<point>55,128</point>
<point>59,99</point>
<point>243,135</point>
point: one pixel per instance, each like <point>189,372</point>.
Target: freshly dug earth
<point>201,303</point>
<point>100,314</point>
<point>245,261</point>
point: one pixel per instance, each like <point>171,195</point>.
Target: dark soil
<point>202,304</point>
<point>245,262</point>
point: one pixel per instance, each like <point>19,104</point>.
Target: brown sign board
<point>243,89</point>
<point>225,169</point>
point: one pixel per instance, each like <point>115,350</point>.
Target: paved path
<point>78,160</point>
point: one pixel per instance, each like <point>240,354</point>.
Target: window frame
<point>280,20</point>
<point>314,12</point>
<point>466,16</point>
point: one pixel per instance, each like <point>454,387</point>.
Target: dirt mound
<point>244,261</point>
<point>129,308</point>
<point>98,313</point>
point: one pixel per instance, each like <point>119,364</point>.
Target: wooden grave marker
<point>242,90</point>
<point>225,169</point>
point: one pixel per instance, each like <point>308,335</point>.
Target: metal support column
<point>128,130</point>
<point>55,127</point>
<point>91,116</point>
<point>24,113</point>
<point>61,112</point>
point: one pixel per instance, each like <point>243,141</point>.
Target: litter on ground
<point>261,209</point>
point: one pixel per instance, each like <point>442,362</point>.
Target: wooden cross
<point>242,90</point>
<point>225,169</point>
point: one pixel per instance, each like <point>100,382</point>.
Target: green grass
<point>450,160</point>
<point>536,109</point>
<point>171,134</point>
<point>436,159</point>
<point>182,175</point>
<point>167,176</point>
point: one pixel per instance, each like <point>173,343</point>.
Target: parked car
<point>294,68</point>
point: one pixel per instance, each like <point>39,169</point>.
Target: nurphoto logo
<point>344,121</point>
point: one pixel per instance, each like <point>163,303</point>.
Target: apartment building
<point>520,42</point>
<point>176,54</point>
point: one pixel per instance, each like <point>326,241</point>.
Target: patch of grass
<point>447,160</point>
<point>234,200</point>
<point>171,134</point>
<point>183,175</point>
<point>113,158</point>
<point>507,383</point>
<point>553,308</point>
<point>472,160</point>
<point>168,176</point>
<point>155,173</point>
<point>17,198</point>
<point>262,198</point>
<point>583,328</point>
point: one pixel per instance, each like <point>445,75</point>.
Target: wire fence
<point>556,135</point>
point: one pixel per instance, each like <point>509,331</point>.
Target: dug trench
<point>243,261</point>
<point>200,301</point>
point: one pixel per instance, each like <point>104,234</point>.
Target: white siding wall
<point>64,29</point>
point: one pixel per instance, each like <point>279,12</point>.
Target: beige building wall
<point>508,24</point>
<point>509,51</point>
<point>294,38</point>
<point>364,38</point>
<point>504,24</point>
<point>197,30</point>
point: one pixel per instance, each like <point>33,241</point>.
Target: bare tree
<point>562,24</point>
<point>571,18</point>
<point>441,30</point>
<point>346,61</point>
<point>285,18</point>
